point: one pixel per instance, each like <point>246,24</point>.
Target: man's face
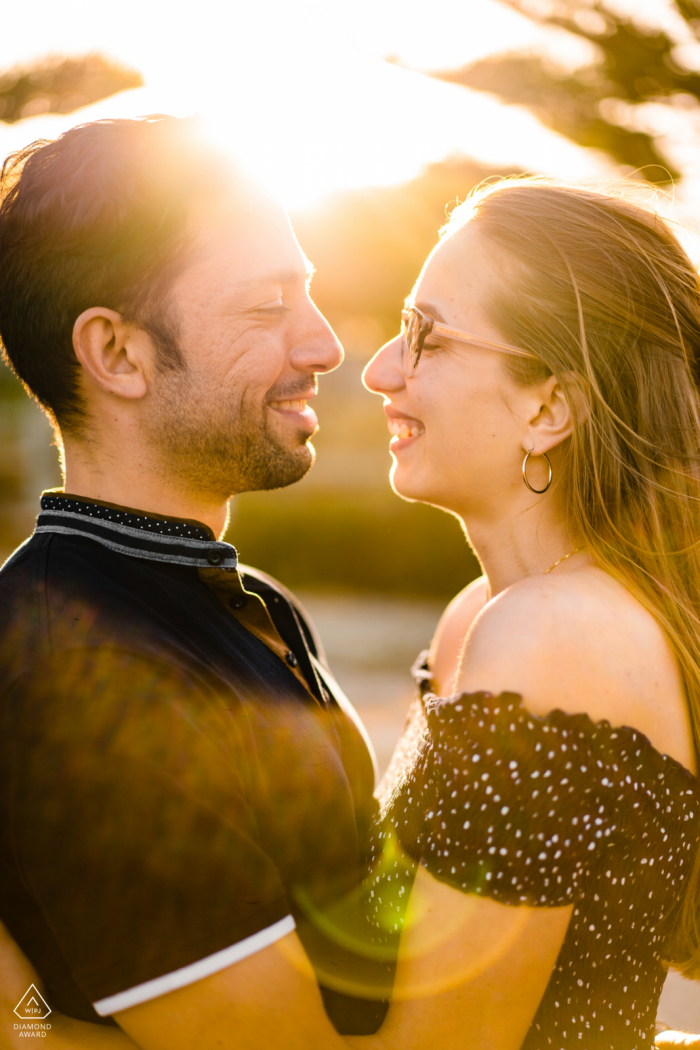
<point>234,416</point>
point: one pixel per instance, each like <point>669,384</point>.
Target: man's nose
<point>319,349</point>
<point>383,374</point>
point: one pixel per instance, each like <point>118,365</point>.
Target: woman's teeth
<point>288,406</point>
<point>405,430</point>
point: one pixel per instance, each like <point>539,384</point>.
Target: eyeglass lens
<point>416,330</point>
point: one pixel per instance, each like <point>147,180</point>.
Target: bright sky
<point>298,87</point>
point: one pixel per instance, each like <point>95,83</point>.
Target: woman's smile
<point>405,430</point>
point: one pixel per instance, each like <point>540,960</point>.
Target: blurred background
<point>370,121</point>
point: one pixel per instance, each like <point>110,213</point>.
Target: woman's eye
<point>432,346</point>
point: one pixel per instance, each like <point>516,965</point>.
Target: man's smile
<point>289,406</point>
<point>297,409</point>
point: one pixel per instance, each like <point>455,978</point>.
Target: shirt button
<point>215,557</point>
<point>239,602</point>
<point>291,659</point>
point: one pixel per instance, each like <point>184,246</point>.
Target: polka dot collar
<point>135,533</point>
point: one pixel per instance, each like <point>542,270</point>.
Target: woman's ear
<point>552,419</point>
<point>578,393</point>
<point>113,354</point>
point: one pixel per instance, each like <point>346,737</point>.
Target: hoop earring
<point>538,492</point>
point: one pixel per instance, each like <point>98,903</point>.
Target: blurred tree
<point>352,540</point>
<point>595,105</point>
<point>369,245</point>
<point>61,85</point>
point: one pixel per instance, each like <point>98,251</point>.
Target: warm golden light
<point>300,92</point>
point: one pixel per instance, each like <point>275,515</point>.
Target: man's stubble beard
<point>216,447</point>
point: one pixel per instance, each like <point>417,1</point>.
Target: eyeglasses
<point>416,327</point>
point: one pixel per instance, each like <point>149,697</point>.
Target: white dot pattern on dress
<point>545,812</point>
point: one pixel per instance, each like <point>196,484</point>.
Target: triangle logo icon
<point>32,1006</point>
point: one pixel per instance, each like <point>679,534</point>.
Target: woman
<point>544,391</point>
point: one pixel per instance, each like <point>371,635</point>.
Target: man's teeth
<point>288,406</point>
<point>405,430</point>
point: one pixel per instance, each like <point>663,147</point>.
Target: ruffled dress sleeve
<point>546,812</point>
<point>497,801</point>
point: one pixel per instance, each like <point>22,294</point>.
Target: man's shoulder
<point>53,574</point>
<point>23,623</point>
<point>62,593</point>
<point>48,557</point>
<point>24,563</point>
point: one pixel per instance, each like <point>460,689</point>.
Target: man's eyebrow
<point>309,268</point>
<point>292,276</point>
<point>286,276</point>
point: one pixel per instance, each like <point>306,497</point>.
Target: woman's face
<point>465,417</point>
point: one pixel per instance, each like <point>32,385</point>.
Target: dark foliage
<point>353,541</point>
<point>635,65</point>
<point>61,85</point>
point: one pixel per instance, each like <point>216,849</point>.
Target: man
<point>186,792</point>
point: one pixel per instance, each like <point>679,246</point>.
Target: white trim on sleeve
<point>169,982</point>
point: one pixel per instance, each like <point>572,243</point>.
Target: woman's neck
<point>513,546</point>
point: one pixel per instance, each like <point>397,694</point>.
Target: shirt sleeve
<point>499,802</point>
<point>132,824</point>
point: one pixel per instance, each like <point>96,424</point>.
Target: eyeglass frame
<point>428,325</point>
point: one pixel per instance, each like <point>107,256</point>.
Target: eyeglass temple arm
<point>454,333</point>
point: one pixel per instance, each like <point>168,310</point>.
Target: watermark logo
<point>32,1006</point>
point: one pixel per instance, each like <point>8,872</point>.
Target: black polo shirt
<point>182,782</point>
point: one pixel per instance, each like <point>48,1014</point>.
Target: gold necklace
<point>561,560</point>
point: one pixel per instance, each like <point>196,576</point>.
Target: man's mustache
<point>291,391</point>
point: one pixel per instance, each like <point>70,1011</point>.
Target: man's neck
<point>139,489</point>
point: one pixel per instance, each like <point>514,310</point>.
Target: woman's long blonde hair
<point>602,291</point>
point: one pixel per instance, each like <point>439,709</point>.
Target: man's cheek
<point>252,365</point>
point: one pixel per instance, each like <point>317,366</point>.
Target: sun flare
<point>302,95</point>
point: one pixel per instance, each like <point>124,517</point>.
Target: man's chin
<point>287,468</point>
<point>302,465</point>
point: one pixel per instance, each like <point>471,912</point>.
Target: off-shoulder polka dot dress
<point>546,812</point>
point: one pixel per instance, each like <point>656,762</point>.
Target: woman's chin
<point>408,485</point>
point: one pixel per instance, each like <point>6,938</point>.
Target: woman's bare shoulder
<point>581,643</point>
<point>446,647</point>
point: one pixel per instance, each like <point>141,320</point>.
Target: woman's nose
<point>383,373</point>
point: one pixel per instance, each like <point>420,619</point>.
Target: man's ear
<point>114,355</point>
<point>552,420</point>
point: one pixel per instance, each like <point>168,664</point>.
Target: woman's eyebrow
<point>431,310</point>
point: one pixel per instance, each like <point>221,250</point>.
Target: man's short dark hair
<point>98,217</point>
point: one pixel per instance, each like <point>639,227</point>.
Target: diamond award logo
<point>32,1006</point>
